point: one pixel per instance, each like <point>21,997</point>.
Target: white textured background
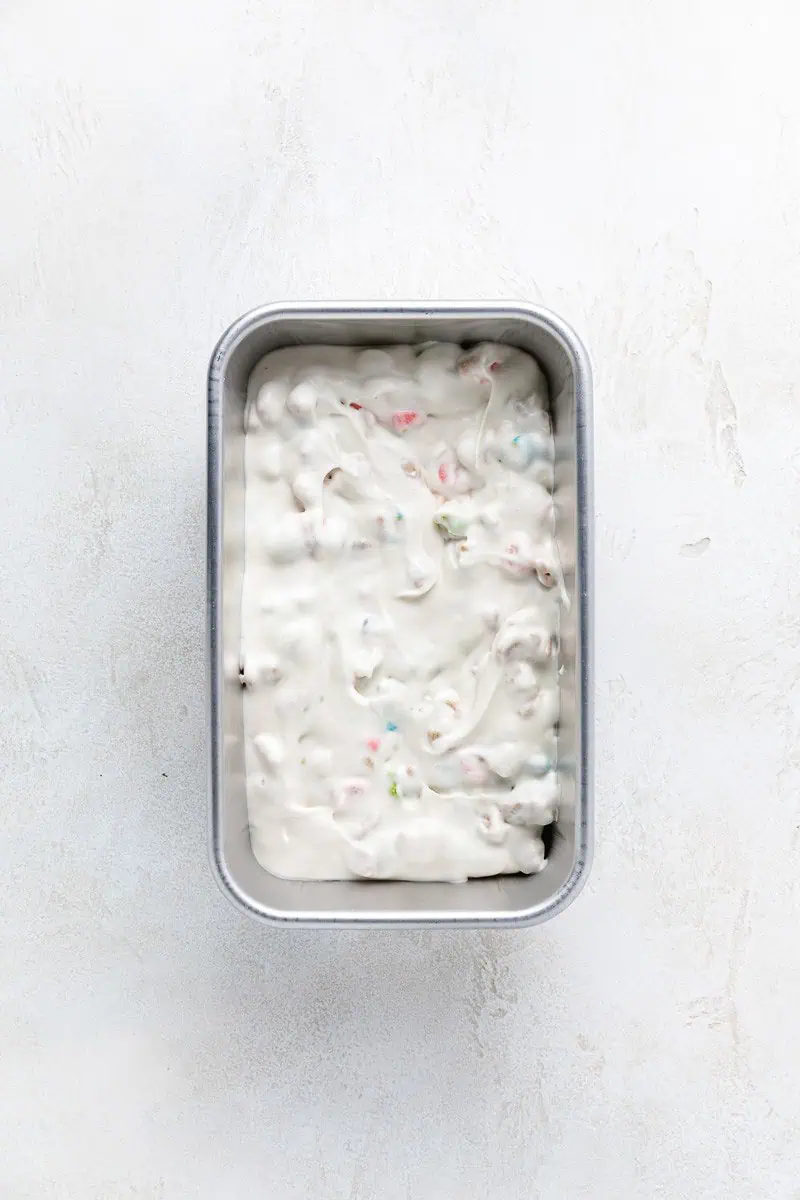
<point>634,164</point>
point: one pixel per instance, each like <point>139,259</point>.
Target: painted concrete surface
<point>634,166</point>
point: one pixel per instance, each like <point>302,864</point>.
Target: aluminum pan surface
<point>501,902</point>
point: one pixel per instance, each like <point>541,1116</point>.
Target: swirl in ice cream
<point>400,612</point>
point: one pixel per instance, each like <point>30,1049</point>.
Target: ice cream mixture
<point>400,612</point>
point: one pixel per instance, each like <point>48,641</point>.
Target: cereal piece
<point>532,802</point>
<point>407,418</point>
<point>492,827</point>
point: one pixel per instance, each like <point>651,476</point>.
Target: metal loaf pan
<point>504,901</point>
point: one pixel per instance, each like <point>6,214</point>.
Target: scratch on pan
<point>721,413</point>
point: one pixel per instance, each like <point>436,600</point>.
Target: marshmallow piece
<point>287,539</point>
<point>271,401</point>
<point>270,750</point>
<point>302,403</point>
<point>532,802</point>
